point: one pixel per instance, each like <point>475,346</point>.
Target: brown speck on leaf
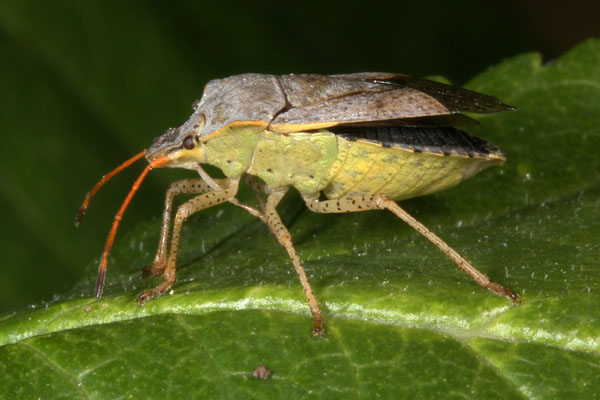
<point>88,309</point>
<point>261,372</point>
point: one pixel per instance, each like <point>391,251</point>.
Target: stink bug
<point>347,143</point>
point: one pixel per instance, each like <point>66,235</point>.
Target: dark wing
<point>375,99</point>
<point>455,98</point>
<point>436,140</point>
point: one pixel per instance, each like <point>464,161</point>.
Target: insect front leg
<point>184,186</point>
<point>285,239</point>
<point>380,202</point>
<point>192,206</point>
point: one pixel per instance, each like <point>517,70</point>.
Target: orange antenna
<point>113,230</point>
<point>105,178</point>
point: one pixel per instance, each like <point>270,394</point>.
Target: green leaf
<point>401,321</point>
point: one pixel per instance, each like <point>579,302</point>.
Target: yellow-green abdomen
<point>327,162</point>
<point>363,168</point>
<point>300,159</point>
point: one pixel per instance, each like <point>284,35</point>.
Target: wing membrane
<point>375,99</point>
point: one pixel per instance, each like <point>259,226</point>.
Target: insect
<point>347,143</point>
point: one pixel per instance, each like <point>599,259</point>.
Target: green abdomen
<point>367,168</point>
<point>300,159</point>
<point>341,164</point>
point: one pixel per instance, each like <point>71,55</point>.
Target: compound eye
<point>189,143</point>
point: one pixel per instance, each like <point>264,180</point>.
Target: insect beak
<point>151,157</point>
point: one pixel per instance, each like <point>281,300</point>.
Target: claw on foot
<point>513,296</point>
<point>318,332</point>
<point>502,291</point>
<point>145,296</point>
<point>151,271</point>
<point>157,291</point>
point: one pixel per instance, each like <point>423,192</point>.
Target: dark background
<point>85,85</point>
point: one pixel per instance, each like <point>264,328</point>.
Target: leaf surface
<point>401,320</point>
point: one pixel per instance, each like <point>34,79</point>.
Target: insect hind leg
<point>380,202</point>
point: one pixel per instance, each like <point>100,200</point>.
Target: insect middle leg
<point>283,236</point>
<point>192,206</point>
<point>259,189</point>
<point>380,202</point>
